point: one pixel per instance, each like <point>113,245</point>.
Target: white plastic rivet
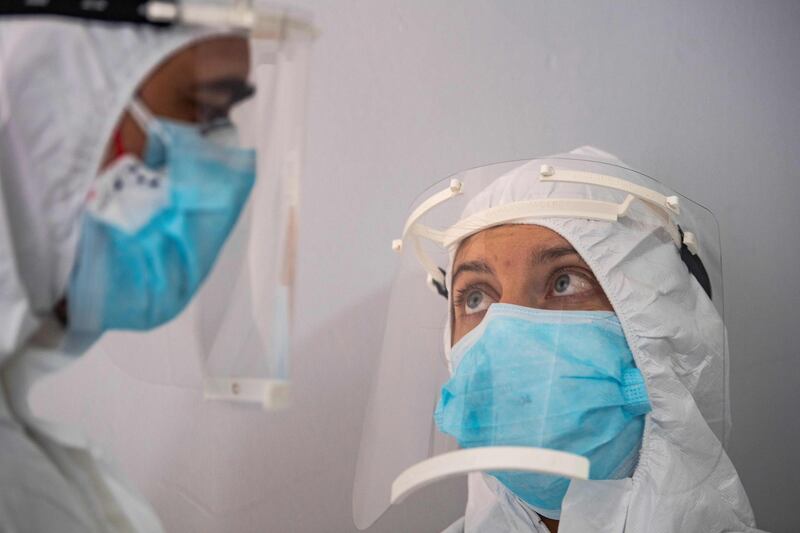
<point>397,245</point>
<point>690,241</point>
<point>546,170</point>
<point>673,203</point>
<point>455,185</point>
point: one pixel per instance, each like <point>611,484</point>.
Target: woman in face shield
<point>121,179</point>
<point>585,356</point>
<point>550,337</point>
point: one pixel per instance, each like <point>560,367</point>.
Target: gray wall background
<point>705,95</point>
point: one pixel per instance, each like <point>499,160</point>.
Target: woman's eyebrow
<point>237,88</point>
<point>472,266</point>
<point>546,255</point>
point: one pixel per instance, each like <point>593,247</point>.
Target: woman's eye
<point>215,125</point>
<point>208,114</point>
<point>569,284</point>
<point>476,301</point>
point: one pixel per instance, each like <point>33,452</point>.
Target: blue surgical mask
<point>563,380</point>
<point>153,228</point>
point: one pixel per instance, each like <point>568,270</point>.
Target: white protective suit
<point>666,336</point>
<point>63,88</point>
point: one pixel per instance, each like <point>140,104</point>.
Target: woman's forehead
<point>209,59</point>
<point>509,240</point>
<point>221,56</point>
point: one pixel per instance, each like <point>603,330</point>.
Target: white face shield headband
<point>527,211</point>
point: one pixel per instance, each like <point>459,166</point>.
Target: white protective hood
<point>63,88</point>
<point>664,318</point>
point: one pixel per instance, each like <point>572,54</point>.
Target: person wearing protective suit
<point>585,378</point>
<point>122,177</point>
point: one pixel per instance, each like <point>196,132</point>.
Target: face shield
<point>206,218</point>
<point>244,313</point>
<point>547,317</point>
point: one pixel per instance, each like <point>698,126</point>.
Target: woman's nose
<point>518,296</point>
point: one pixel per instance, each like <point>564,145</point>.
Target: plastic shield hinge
<point>690,240</point>
<point>270,394</point>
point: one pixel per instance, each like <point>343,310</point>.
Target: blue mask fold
<point>563,380</point>
<point>137,277</point>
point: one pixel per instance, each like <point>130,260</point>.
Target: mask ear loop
<point>145,119</point>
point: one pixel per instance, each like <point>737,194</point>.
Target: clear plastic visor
<point>526,309</point>
<point>243,314</point>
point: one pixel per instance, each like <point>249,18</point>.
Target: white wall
<point>704,95</point>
